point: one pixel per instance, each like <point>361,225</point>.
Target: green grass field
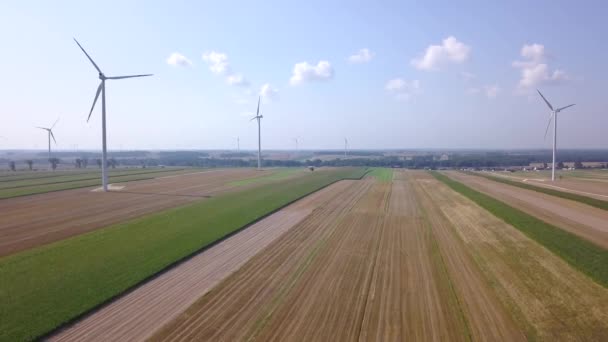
<point>42,288</point>
<point>382,174</point>
<point>581,254</point>
<point>47,184</point>
<point>594,202</point>
<point>277,174</point>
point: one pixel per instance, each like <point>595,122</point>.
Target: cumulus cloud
<point>177,59</point>
<point>450,51</point>
<point>218,62</point>
<point>402,89</point>
<point>237,80</point>
<point>267,92</point>
<point>304,72</point>
<point>490,91</point>
<point>534,68</point>
<point>362,56</point>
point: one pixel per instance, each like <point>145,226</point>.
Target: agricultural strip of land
<point>53,284</point>
<point>548,298</point>
<point>587,222</point>
<point>274,175</point>
<point>381,174</point>
<point>51,184</point>
<point>366,266</point>
<point>137,315</point>
<point>589,199</point>
<point>580,253</point>
<point>32,221</point>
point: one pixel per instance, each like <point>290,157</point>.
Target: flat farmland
<point>577,218</point>
<point>140,313</point>
<point>36,220</point>
<point>587,183</point>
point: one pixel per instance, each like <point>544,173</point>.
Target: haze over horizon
<point>387,76</point>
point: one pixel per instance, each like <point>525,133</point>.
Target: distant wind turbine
<point>50,135</point>
<point>345,146</point>
<point>102,89</point>
<point>238,145</point>
<point>259,117</point>
<point>554,118</point>
<point>296,139</point>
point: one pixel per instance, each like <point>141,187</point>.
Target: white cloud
<point>402,89</point>
<point>218,62</point>
<point>304,72</point>
<point>468,76</point>
<point>534,68</point>
<point>177,59</point>
<point>450,51</point>
<point>267,92</point>
<point>237,80</point>
<point>362,56</point>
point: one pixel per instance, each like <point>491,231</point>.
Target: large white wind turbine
<point>102,89</point>
<point>259,117</point>
<point>554,118</point>
<point>345,146</point>
<point>50,135</point>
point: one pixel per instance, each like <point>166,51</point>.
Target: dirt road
<point>588,222</point>
<point>36,220</point>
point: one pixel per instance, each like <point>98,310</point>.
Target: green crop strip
<point>43,288</point>
<point>594,202</point>
<point>276,175</point>
<point>581,254</point>
<point>382,174</point>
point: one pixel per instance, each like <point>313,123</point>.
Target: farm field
<point>66,180</point>
<point>56,283</point>
<point>587,183</point>
<point>36,220</point>
<point>577,218</point>
<point>138,314</point>
<point>406,260</point>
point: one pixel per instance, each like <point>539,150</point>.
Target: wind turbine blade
<point>53,136</point>
<point>130,76</point>
<point>253,118</point>
<point>46,129</point>
<point>566,106</point>
<point>89,57</point>
<point>55,123</point>
<point>547,102</point>
<point>258,112</point>
<point>548,125</point>
<point>95,101</point>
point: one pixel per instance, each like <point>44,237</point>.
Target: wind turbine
<point>259,117</point>
<point>554,118</point>
<point>345,146</point>
<point>296,139</point>
<point>238,144</point>
<point>102,89</point>
<point>51,135</point>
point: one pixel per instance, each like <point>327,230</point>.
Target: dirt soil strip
<point>585,221</point>
<point>32,221</point>
<point>549,300</point>
<point>365,266</point>
<point>592,187</point>
<point>137,315</point>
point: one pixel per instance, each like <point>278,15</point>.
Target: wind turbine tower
<point>345,146</point>
<point>102,89</point>
<point>259,117</point>
<point>554,118</point>
<point>50,135</point>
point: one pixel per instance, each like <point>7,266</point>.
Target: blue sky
<point>434,75</point>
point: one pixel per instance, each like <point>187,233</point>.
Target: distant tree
<point>30,164</point>
<point>11,165</point>
<point>54,162</point>
<point>578,164</point>
<point>112,163</point>
<point>78,163</point>
<point>98,162</point>
<point>544,165</point>
<point>560,165</point>
<point>85,162</point>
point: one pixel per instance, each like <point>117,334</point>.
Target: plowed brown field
<point>583,220</point>
<point>36,220</point>
<point>367,266</point>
